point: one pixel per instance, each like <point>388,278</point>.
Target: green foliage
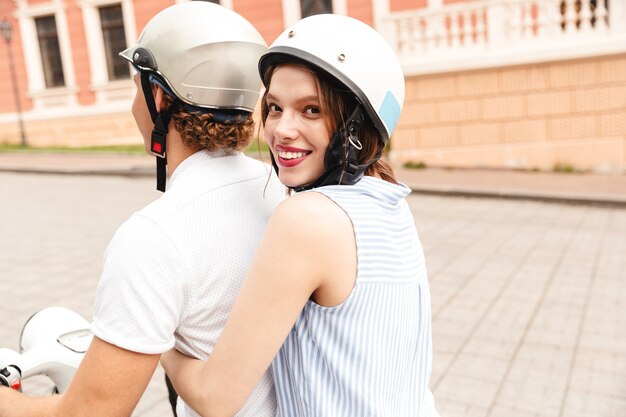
<point>565,168</point>
<point>257,145</point>
<point>414,165</point>
<point>131,149</point>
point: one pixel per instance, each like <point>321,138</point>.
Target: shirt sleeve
<point>139,298</point>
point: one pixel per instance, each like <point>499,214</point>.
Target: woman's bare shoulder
<point>311,205</point>
<point>312,215</point>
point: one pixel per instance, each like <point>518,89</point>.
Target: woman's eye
<point>312,110</point>
<point>273,108</point>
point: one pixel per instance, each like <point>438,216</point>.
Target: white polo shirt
<point>173,270</point>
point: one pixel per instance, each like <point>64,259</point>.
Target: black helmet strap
<point>161,121</point>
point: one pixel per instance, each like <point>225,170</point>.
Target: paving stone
<point>528,296</point>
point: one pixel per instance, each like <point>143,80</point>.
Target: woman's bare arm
<point>307,243</point>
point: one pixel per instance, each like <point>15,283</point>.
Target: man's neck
<point>177,151</point>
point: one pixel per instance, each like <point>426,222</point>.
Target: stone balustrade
<point>489,33</point>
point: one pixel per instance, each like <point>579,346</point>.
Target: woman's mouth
<point>288,157</point>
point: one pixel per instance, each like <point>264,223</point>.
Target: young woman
<point>337,298</point>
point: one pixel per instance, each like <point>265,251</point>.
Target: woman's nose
<point>286,127</point>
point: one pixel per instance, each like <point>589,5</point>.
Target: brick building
<point>497,83</point>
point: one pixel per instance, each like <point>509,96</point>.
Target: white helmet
<point>353,53</point>
<point>205,53</point>
<point>202,54</point>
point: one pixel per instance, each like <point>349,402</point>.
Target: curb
<point>509,194</point>
<point>438,190</point>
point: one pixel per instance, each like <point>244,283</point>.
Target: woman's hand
<point>182,371</point>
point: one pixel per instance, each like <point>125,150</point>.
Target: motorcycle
<point>52,343</point>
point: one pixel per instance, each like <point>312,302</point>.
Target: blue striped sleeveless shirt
<point>371,355</point>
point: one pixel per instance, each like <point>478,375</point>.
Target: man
<point>173,270</point>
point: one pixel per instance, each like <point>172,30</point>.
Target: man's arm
<point>108,383</point>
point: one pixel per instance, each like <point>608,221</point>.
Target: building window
<point>294,11</point>
<point>311,7</point>
<point>112,23</point>
<point>50,51</point>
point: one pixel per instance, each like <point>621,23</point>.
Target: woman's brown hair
<point>337,103</point>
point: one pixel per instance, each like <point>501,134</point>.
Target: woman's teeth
<point>291,155</point>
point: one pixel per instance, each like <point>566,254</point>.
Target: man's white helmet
<point>205,53</point>
<point>353,53</point>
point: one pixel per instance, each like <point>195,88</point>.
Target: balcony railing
<point>486,33</point>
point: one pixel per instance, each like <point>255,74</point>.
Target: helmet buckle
<point>157,148</point>
<point>157,143</point>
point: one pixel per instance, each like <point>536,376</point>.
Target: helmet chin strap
<point>341,160</point>
<point>161,122</point>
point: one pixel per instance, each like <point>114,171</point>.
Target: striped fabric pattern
<point>371,355</point>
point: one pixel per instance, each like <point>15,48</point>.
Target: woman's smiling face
<point>296,130</point>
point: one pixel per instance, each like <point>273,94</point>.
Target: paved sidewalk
<point>528,297</point>
<point>87,163</point>
<point>605,189</point>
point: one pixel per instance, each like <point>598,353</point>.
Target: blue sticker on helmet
<point>390,111</point>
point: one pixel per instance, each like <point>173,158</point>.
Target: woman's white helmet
<point>205,53</point>
<point>353,53</point>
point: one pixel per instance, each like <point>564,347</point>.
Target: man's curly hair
<point>198,130</point>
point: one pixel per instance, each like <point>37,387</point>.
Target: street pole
<point>6,32</point>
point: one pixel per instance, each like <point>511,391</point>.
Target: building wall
<point>100,115</point>
<point>362,10</point>
<point>524,115</point>
<point>399,5</point>
<point>144,10</point>
<point>92,130</point>
<point>84,94</point>
<point>7,101</point>
<point>531,116</point>
<point>267,16</point>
